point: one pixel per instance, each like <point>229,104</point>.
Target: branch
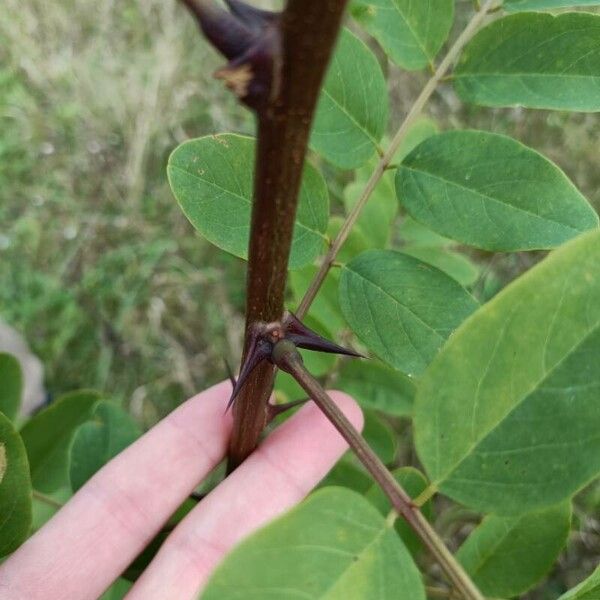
<point>286,356</point>
<point>388,156</point>
<point>277,64</point>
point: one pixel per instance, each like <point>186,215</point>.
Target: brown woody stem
<point>287,358</point>
<point>309,29</point>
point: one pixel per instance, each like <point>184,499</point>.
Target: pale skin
<point>97,534</point>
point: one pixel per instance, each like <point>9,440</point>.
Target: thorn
<point>308,339</point>
<point>274,410</point>
<point>259,350</point>
<point>255,18</point>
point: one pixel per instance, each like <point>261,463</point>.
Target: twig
<point>286,356</point>
<point>386,159</point>
<point>309,29</point>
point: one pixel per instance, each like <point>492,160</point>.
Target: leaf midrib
<point>396,301</point>
<point>535,386</point>
<point>498,201</point>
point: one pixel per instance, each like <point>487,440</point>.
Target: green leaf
<point>426,245</point>
<point>411,33</point>
<point>46,506</point>
<point>492,192</point>
<point>416,235</point>
<point>506,556</point>
<point>326,307</point>
<point>458,266</point>
<point>380,436</point>
<point>347,474</point>
<point>48,435</point>
<point>524,5</point>
<point>375,386</point>
<point>401,308</point>
<point>15,489</point>
<point>97,441</point>
<point>353,107</point>
<point>414,483</point>
<point>334,546</point>
<point>211,177</point>
<point>519,382</point>
<point>586,590</point>
<point>376,218</point>
<point>534,60</point>
<point>11,385</point>
<point>355,243</point>
<point>117,591</point>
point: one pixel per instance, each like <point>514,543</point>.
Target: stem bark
<point>309,29</point>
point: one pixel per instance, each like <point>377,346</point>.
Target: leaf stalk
<point>286,357</point>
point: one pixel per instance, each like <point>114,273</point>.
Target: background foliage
<point>115,291</point>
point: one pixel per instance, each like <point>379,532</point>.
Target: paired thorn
<point>250,39</point>
<point>274,410</point>
<point>264,337</point>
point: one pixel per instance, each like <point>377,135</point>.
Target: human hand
<point>97,534</point>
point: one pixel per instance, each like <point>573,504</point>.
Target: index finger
<point>97,534</point>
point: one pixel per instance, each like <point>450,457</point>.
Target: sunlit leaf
<point>411,33</point>
<point>507,417</point>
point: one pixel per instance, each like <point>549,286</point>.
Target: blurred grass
<point>98,268</point>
